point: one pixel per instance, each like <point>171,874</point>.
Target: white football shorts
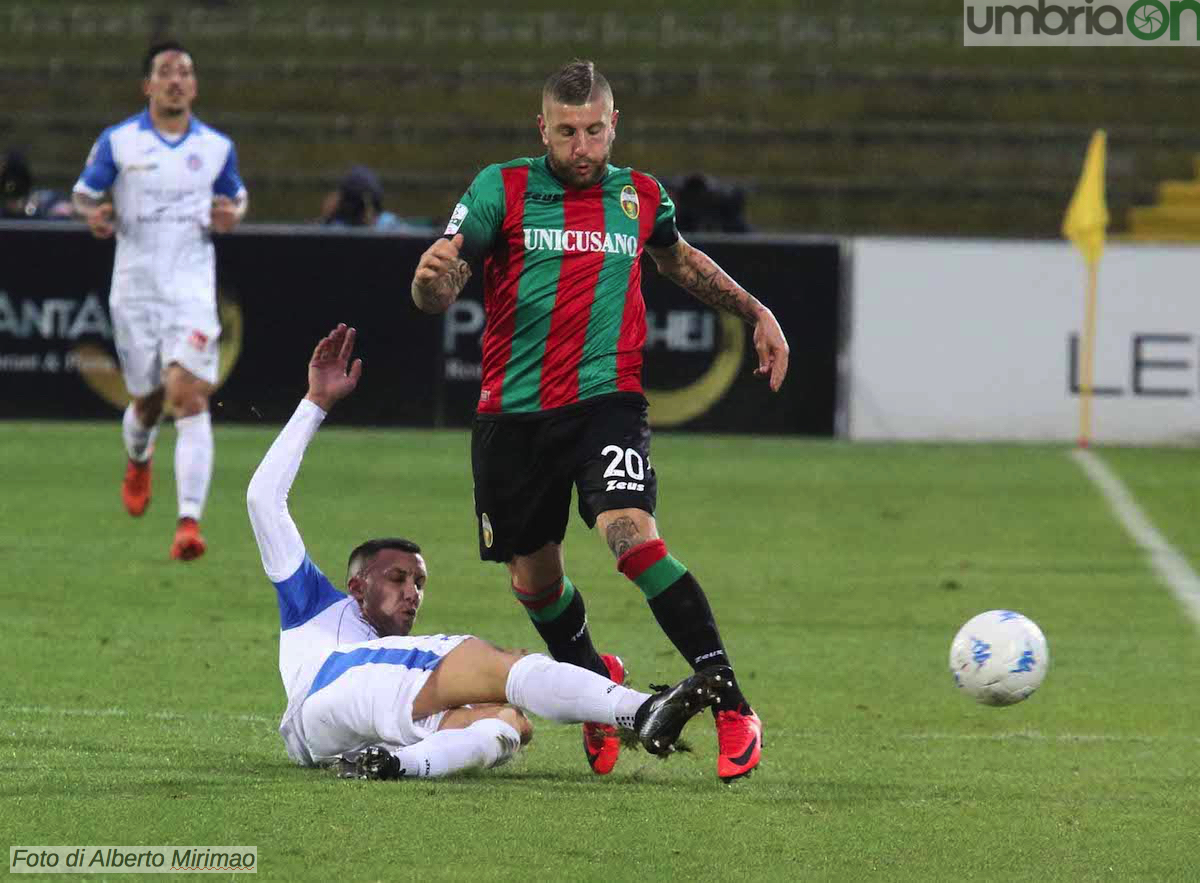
<point>363,695</point>
<point>152,334</point>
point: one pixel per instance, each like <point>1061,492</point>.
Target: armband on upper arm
<point>669,258</point>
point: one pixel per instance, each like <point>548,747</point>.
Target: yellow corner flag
<point>1087,215</point>
<point>1085,224</point>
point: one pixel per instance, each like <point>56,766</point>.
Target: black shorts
<point>524,468</point>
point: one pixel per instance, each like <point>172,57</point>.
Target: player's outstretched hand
<point>100,221</point>
<point>772,350</point>
<point>331,376</point>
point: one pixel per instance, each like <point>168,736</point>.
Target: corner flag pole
<point>1085,224</point>
<point>1087,357</point>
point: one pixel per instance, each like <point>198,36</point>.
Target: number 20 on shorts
<point>631,477</point>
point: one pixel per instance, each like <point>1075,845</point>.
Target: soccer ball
<point>999,657</point>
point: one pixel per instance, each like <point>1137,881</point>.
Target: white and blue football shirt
<point>322,632</point>
<point>162,191</point>
<point>315,619</point>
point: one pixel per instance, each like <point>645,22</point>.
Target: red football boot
<point>601,743</point>
<point>188,543</point>
<point>739,742</point>
<point>135,489</point>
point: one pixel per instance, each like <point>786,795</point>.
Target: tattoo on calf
<point>622,535</point>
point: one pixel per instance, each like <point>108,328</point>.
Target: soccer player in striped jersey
<point>364,693</point>
<point>561,403</point>
<point>173,181</point>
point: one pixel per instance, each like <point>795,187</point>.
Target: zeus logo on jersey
<point>580,240</point>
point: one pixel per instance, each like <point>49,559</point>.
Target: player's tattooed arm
<point>701,276</point>
<point>436,295</point>
<point>441,276</point>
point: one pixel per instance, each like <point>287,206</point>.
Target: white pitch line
<point>1174,570</point>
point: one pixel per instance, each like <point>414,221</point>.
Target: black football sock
<point>682,610</point>
<point>561,619</point>
<point>683,613</point>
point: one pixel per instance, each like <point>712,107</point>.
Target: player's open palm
<point>331,376</point>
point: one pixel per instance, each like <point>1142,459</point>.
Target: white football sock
<point>485,743</point>
<point>139,441</point>
<point>193,463</point>
<point>569,694</point>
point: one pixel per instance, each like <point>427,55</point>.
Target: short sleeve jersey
<point>562,281</point>
<point>315,619</point>
<point>162,191</point>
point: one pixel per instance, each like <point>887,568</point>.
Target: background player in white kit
<point>173,180</point>
<point>359,689</point>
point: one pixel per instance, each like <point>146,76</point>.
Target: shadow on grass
<point>204,781</point>
<point>530,777</point>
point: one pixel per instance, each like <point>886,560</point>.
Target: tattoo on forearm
<point>442,291</point>
<point>458,276</point>
<point>622,535</point>
<point>700,275</point>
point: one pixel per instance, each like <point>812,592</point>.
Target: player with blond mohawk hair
<point>561,403</point>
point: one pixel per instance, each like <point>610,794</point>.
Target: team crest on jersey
<point>198,340</point>
<point>194,162</point>
<point>486,524</point>
<point>629,202</point>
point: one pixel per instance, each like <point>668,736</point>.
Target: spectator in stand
<point>358,202</point>
<point>704,204</point>
<point>18,199</point>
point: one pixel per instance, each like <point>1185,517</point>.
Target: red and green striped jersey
<point>562,281</point>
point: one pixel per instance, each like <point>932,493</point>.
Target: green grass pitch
<point>141,695</point>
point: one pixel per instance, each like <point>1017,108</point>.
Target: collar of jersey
<point>144,122</point>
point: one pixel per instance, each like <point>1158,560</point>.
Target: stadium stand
<point>831,117</point>
<point>1174,216</point>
